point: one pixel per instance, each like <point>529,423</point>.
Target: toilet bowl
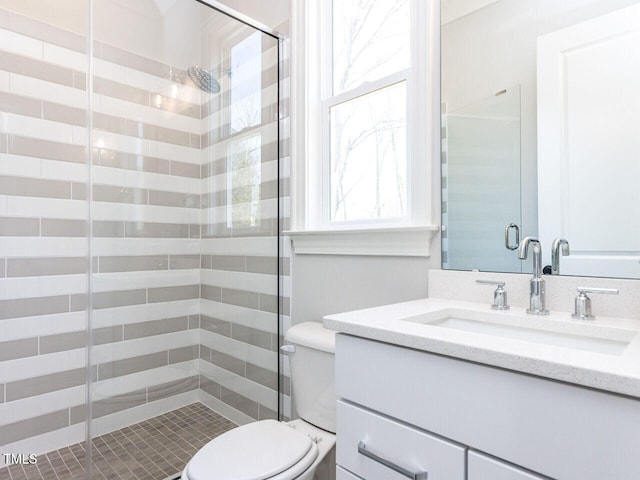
<point>274,450</point>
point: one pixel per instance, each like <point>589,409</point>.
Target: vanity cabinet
<point>475,421</point>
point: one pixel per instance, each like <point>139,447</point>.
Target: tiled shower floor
<point>155,449</point>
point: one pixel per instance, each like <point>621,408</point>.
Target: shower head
<point>203,79</point>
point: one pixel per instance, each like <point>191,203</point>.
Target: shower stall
<point>143,189</point>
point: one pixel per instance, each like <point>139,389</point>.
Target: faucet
<point>537,293</point>
<point>558,244</point>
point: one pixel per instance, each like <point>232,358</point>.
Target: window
<point>365,132</point>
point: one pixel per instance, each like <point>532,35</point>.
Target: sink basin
<point>545,331</point>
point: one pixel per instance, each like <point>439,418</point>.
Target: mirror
<point>540,134</point>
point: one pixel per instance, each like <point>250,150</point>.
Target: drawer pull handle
<point>362,450</point>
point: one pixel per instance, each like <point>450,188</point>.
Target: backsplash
<point>561,291</point>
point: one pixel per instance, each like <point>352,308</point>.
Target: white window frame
<point>310,230</point>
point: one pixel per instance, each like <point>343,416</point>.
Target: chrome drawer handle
<point>362,450</point>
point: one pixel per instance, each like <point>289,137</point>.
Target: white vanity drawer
<point>482,467</point>
<point>364,435</point>
<point>342,474</point>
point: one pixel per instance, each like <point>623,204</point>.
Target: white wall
<point>270,13</point>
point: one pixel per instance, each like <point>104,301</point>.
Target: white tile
<point>36,366</point>
<point>5,82</point>
<point>144,246</point>
<point>147,378</point>
<point>20,44</point>
<point>216,183</point>
<point>138,179</point>
<point>268,210</point>
<point>171,151</point>
<point>142,346</point>
<point>36,127</point>
<point>240,350</point>
<point>263,246</point>
<point>46,207</point>
<point>65,57</point>
<point>43,246</point>
<point>18,165</point>
<point>49,91</point>
<point>24,327</point>
<point>143,313</point>
<point>144,213</point>
<point>56,170</point>
<point>104,282</point>
<point>251,282</point>
<point>48,286</point>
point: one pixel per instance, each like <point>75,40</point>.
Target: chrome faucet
<point>558,244</point>
<point>537,293</point>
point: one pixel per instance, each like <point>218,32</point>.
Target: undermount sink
<point>545,331</point>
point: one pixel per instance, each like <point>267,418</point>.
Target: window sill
<point>401,241</point>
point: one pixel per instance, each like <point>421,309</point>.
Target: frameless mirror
<point>540,135</point>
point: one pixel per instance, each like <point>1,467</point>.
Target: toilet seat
<point>257,451</point>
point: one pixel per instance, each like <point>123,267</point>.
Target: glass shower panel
<point>481,183</point>
<point>184,232</point>
<point>43,242</point>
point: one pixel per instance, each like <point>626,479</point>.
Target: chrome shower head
<point>203,79</point>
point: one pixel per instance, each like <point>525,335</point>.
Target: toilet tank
<point>313,373</point>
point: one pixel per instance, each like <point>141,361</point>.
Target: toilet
<point>274,450</point>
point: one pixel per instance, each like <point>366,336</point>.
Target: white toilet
<point>275,450</point>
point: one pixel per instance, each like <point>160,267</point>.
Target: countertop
<point>616,371</point>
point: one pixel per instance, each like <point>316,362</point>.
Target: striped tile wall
<point>184,306</point>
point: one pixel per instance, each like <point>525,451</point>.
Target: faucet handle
<point>583,302</point>
<point>499,296</point>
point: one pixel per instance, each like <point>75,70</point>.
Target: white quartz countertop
<point>407,324</point>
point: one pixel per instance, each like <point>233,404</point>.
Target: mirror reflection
<point>540,134</point>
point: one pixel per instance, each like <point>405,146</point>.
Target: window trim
<point>423,150</point>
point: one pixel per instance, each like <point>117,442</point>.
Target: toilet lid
<point>256,451</point>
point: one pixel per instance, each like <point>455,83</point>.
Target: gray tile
<point>78,191</point>
<point>34,187</point>
<point>38,148</point>
<point>237,401</point>
<point>269,190</point>
<point>53,227</point>
<point>266,265</point>
<point>182,169</point>
<point>77,414</point>
<point>101,336</point>
<point>183,354</point>
<point>33,386</point>
<point>21,105</point>
<point>262,376</point>
<point>155,327</point>
<point>64,114</point>
<point>209,292</point>
<point>62,341</point>
<point>268,303</point>
<point>170,389</point>
<point>103,86</point>
<point>252,336</point>
<point>183,262</point>
<point>116,194</point>
<point>137,62</point>
<point>169,294</point>
<point>205,353</point>
<point>209,386</point>
<point>108,229</point>
<point>228,362</point>
<point>169,135</point>
<point>132,263</point>
<point>156,230</point>
<point>3,142</point>
<point>47,32</point>
<point>216,326</point>
<point>240,298</point>
<point>36,69</point>
<point>29,307</point>
<point>194,231</point>
<point>78,302</point>
<point>19,227</point>
<point>129,161</point>
<point>12,349</point>
<point>194,321</point>
<point>205,261</point>
<point>119,298</point>
<point>285,306</point>
<point>31,267</point>
<point>2,268</point>
<point>118,403</point>
<point>173,199</point>
<point>131,365</point>
<point>34,426</point>
<point>228,262</point>
<point>265,413</point>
